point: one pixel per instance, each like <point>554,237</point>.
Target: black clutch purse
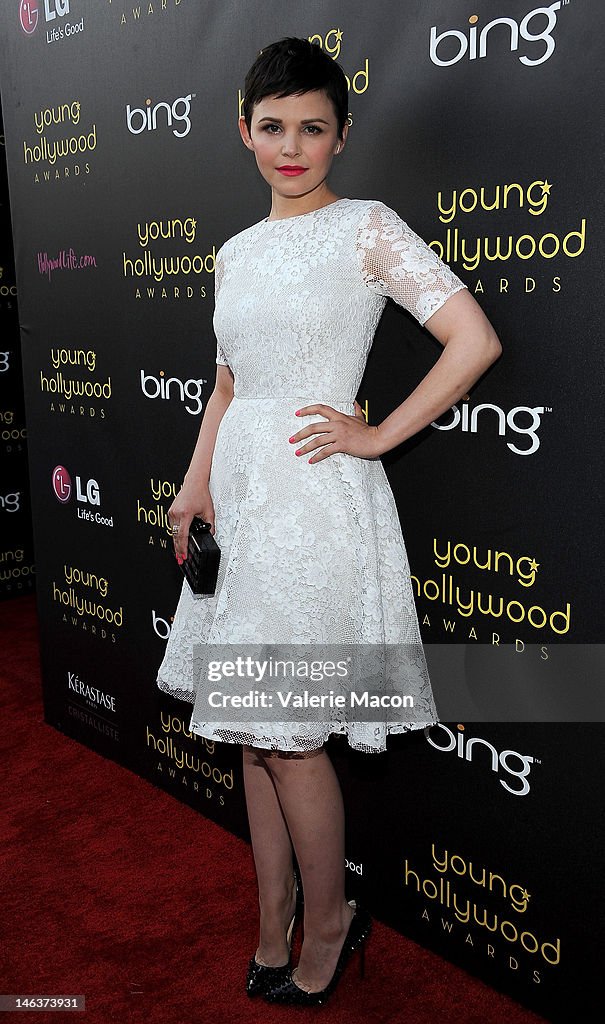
<point>200,568</point>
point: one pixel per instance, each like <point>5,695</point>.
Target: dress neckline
<point>298,216</point>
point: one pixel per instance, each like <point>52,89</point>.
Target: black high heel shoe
<point>259,977</point>
<point>285,989</point>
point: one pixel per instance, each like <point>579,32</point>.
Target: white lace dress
<point>310,554</point>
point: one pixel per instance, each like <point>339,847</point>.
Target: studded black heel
<point>259,976</point>
<point>285,990</point>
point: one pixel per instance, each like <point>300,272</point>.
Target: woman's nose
<point>290,145</point>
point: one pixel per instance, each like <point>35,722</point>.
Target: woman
<point>311,544</point>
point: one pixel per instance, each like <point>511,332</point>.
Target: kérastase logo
<point>474,43</point>
<point>145,119</point>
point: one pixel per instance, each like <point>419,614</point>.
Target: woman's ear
<point>245,134</point>
<point>340,145</point>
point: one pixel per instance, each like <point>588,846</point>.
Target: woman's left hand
<point>342,433</point>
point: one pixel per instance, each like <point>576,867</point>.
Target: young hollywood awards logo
<point>58,147</point>
<point>85,602</point>
<point>500,254</point>
<point>86,494</point>
<point>137,15</point>
<point>12,433</point>
<point>163,493</point>
<point>16,576</point>
<point>72,384</point>
<point>186,759</point>
<point>173,260</point>
<point>483,911</point>
<point>475,607</point>
<point>530,35</point>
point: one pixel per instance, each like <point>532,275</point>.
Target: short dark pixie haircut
<point>293,66</point>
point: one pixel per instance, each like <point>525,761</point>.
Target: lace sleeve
<point>218,277</point>
<point>398,263</point>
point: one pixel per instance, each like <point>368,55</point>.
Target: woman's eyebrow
<point>278,120</point>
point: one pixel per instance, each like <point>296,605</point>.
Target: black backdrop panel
<point>483,131</point>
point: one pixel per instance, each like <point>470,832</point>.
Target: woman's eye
<point>310,129</point>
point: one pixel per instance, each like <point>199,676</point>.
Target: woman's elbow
<point>493,347</point>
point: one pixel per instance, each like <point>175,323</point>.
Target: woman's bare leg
<point>311,799</point>
<point>272,850</point>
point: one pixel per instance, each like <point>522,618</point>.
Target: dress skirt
<point>312,560</point>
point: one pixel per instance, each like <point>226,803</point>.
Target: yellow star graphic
<point>533,565</point>
<point>546,187</point>
<point>338,34</point>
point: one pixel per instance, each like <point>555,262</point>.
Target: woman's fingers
<point>181,540</point>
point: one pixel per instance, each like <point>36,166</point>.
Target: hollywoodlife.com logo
<point>476,43</point>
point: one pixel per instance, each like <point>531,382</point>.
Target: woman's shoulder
<point>240,238</point>
<point>374,208</point>
<point>376,216</point>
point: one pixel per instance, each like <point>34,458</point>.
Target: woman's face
<point>294,140</point>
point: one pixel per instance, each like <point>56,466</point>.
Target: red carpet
<point>117,891</point>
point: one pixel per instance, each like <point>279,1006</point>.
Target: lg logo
<point>475,45</point>
<point>63,489</point>
<point>28,16</point>
<point>29,12</point>
<point>146,120</point>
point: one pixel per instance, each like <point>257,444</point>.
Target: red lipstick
<point>291,170</point>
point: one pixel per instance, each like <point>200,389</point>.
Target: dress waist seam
<point>309,399</point>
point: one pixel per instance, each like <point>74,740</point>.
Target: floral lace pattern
<point>309,553</point>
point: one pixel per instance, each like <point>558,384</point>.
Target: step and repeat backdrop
<point>481,837</point>
<point>17,569</point>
